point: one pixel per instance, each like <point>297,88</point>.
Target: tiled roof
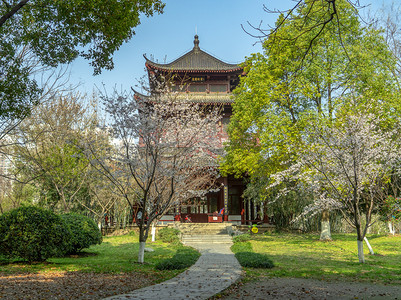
<point>195,60</point>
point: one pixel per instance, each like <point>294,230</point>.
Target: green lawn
<point>115,255</point>
<point>303,255</point>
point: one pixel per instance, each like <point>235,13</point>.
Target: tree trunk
<point>153,232</point>
<point>390,227</point>
<point>143,236</point>
<point>141,253</point>
<point>360,251</point>
<point>368,244</point>
<point>325,234</point>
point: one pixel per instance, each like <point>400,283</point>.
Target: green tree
<point>57,32</point>
<point>47,152</point>
<point>291,78</point>
<point>347,164</point>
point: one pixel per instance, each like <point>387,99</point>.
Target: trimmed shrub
<point>33,234</point>
<point>254,260</point>
<point>84,232</point>
<point>184,258</point>
<point>169,235</point>
<point>242,238</point>
<point>241,247</point>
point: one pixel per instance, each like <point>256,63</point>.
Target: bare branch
<point>12,11</point>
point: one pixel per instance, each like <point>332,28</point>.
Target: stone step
<point>204,228</point>
<point>205,231</point>
<point>222,238</point>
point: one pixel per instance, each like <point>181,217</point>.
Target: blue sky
<point>170,35</point>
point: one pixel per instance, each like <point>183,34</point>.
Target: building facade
<point>206,80</point>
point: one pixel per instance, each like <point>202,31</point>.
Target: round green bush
<point>84,232</point>
<point>242,238</point>
<point>33,234</point>
<point>169,235</point>
<point>241,247</point>
<point>254,260</point>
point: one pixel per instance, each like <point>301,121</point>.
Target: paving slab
<point>216,269</point>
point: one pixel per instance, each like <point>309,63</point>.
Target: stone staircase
<point>205,233</point>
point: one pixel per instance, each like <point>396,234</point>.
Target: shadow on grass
<point>108,257</point>
<point>254,260</point>
<point>297,239</point>
<point>334,269</point>
<point>306,256</point>
<point>184,258</point>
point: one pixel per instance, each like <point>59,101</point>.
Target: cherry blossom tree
<point>165,152</point>
<point>347,164</point>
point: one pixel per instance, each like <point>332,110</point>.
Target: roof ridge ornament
<point>196,43</point>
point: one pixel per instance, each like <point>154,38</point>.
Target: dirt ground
<point>76,285</point>
<point>298,288</point>
<point>68,285</point>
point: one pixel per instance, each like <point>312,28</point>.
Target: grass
<point>115,255</point>
<point>305,256</point>
<point>184,258</point>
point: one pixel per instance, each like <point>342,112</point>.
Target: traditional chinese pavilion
<point>209,81</point>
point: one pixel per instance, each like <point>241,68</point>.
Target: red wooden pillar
<point>225,182</point>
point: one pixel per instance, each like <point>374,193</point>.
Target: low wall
<point>117,230</point>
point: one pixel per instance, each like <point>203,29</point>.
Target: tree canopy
<point>290,79</point>
<point>57,32</point>
<point>347,164</point>
<point>310,67</point>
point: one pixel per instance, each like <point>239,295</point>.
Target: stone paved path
<point>216,269</point>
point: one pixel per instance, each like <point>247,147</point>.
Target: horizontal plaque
<point>198,78</point>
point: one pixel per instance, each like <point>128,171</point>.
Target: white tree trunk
<point>153,232</point>
<point>141,253</point>
<point>325,234</point>
<point>360,251</point>
<point>368,244</point>
<point>390,227</point>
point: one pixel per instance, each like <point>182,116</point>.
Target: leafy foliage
<point>58,28</point>
<point>310,68</point>
<point>48,152</point>
<point>254,260</point>
<point>56,32</point>
<point>18,92</point>
<point>184,258</point>
<point>347,165</point>
<point>84,232</point>
<point>395,206</point>
<point>242,246</point>
<point>169,235</point>
<point>241,238</point>
<point>390,209</point>
<point>282,210</point>
<point>33,234</point>
<point>282,86</point>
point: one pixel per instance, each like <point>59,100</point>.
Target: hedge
<point>33,234</point>
<point>84,232</point>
